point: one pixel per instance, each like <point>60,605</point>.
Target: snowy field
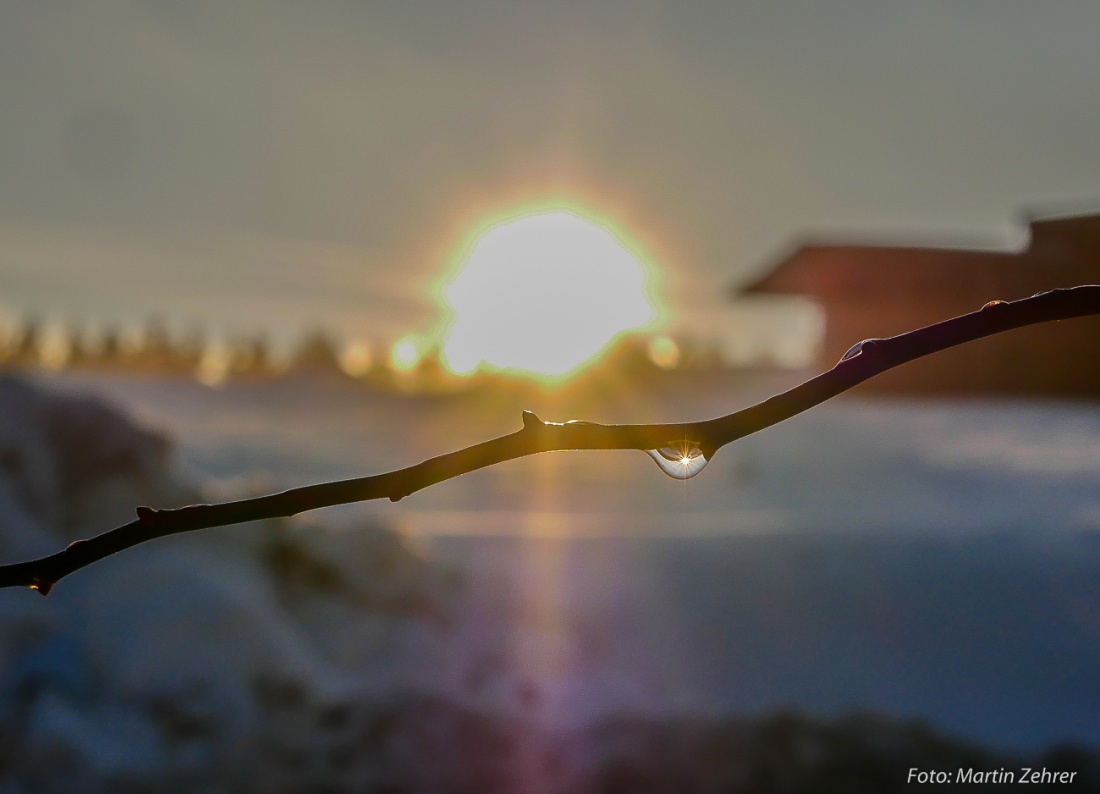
<point>938,560</point>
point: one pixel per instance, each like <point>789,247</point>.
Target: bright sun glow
<point>543,294</point>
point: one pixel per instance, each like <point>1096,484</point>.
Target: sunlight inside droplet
<point>681,459</point>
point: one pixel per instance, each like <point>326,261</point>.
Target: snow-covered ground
<point>922,559</point>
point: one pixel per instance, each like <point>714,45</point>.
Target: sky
<point>276,166</point>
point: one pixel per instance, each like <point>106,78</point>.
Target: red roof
<point>877,290</point>
<point>1062,252</point>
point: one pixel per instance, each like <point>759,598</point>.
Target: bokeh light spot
<point>405,354</point>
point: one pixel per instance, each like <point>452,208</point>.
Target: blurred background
<point>250,246</point>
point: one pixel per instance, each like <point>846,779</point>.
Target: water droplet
<point>680,459</point>
<point>994,305</point>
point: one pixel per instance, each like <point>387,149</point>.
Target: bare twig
<point>865,360</point>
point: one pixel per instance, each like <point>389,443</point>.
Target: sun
<point>544,294</point>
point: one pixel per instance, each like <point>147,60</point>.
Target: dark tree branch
<point>865,360</point>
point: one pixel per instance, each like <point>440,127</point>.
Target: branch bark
<point>863,361</point>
